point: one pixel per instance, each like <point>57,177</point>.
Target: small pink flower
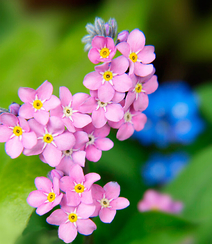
<point>77,186</point>
<point>101,111</point>
<point>139,55</point>
<point>14,108</point>
<point>122,36</point>
<point>72,220</point>
<point>68,111</point>
<point>97,142</point>
<point>38,102</point>
<point>15,131</point>
<point>131,121</point>
<point>107,201</point>
<point>52,140</point>
<point>74,155</point>
<point>46,197</point>
<point>109,78</point>
<point>153,200</point>
<point>138,94</point>
<point>103,49</point>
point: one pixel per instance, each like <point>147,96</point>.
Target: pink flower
<point>109,78</point>
<point>107,201</point>
<point>38,102</point>
<point>138,94</point>
<point>101,111</point>
<point>103,49</point>
<point>74,155</point>
<point>122,36</point>
<point>46,197</point>
<point>132,121</point>
<point>14,108</point>
<point>15,131</point>
<point>161,202</point>
<point>77,186</point>
<point>72,220</point>
<point>52,140</point>
<point>97,142</point>
<point>139,55</point>
<point>68,111</point>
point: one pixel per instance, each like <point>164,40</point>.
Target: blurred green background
<point>41,40</point>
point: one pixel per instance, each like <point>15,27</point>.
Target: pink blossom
<point>38,102</point>
<point>101,111</point>
<point>77,186</point>
<point>46,197</point>
<point>15,131</point>
<point>97,142</point>
<point>139,55</point>
<point>74,155</point>
<point>103,49</point>
<point>68,111</point>
<point>122,36</point>
<point>72,220</point>
<point>107,201</point>
<point>138,94</point>
<point>14,108</point>
<point>109,78</point>
<point>153,200</point>
<point>131,121</point>
<point>52,140</point>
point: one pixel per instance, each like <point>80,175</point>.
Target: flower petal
<point>65,96</point>
<point>136,40</point>
<point>98,118</point>
<point>5,133</point>
<point>122,83</point>
<point>104,144</point>
<point>143,69</point>
<point>29,139</point>
<point>52,155</point>
<point>90,179</point>
<point>45,90</point>
<point>26,111</point>
<point>57,217</point>
<point>67,232</point>
<point>107,215</point>
<point>43,184</point>
<point>106,92</point>
<point>85,211</point>
<point>112,190</point>
<point>36,198</point>
<point>52,103</point>
<point>42,116</point>
<point>119,203</point>
<point>92,80</point>
<point>86,226</point>
<point>125,131</point>
<point>14,147</point>
<point>147,54</point>
<point>65,141</point>
<point>114,112</point>
<point>27,95</point>
<point>93,154</point>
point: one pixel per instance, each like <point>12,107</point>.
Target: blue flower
<point>161,169</point>
<point>173,116</point>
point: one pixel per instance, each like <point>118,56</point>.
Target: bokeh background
<point>41,40</point>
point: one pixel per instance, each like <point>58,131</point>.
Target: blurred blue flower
<point>173,116</point>
<point>161,169</point>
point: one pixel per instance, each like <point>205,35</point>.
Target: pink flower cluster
<point>154,201</point>
<point>66,131</point>
<point>119,87</point>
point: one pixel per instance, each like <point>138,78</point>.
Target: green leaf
<point>143,226</point>
<point>16,182</point>
<point>205,93</point>
<point>192,187</point>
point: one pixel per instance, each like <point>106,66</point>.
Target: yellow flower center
<point>108,75</point>
<point>51,196</point>
<point>48,138</point>
<point>138,87</point>
<point>104,52</point>
<point>127,117</point>
<point>17,131</point>
<point>79,188</point>
<point>72,217</point>
<point>37,104</point>
<point>104,202</point>
<point>102,104</point>
<point>67,111</point>
<point>133,57</point>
